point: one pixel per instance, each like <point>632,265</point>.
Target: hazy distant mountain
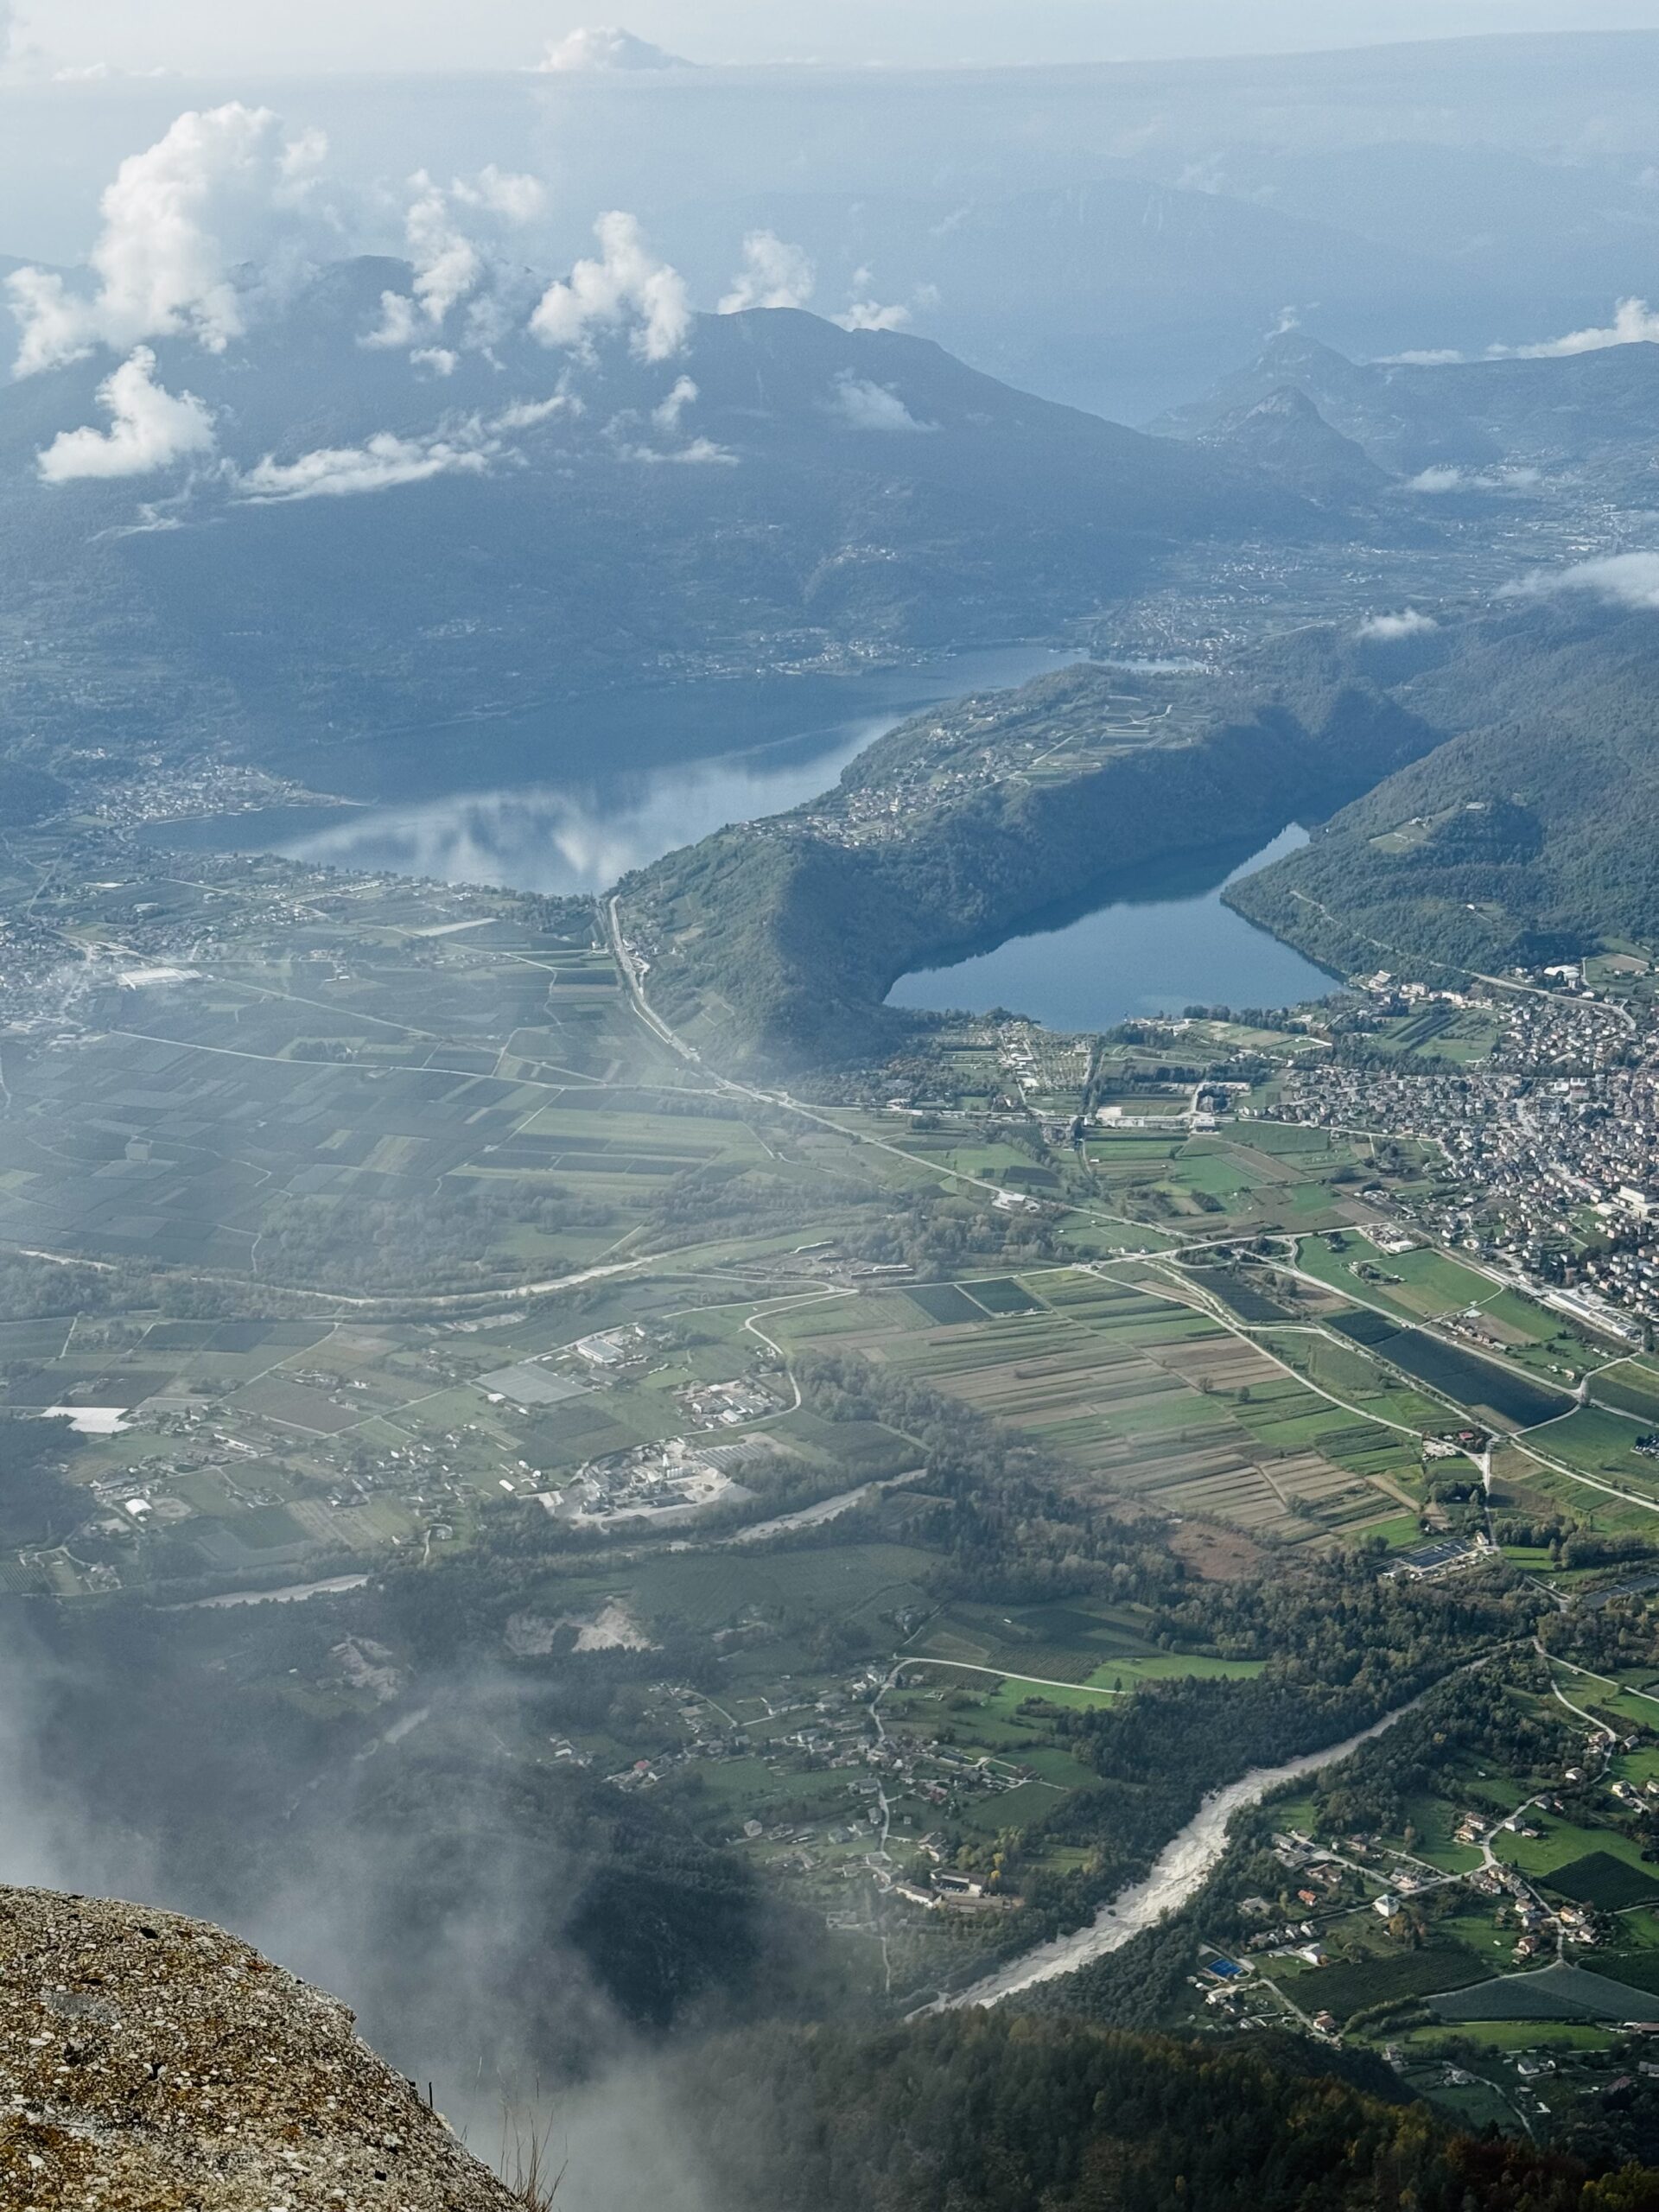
<point>1595,409</point>
<point>1102,294</point>
<point>372,541</point>
<point>1286,435</point>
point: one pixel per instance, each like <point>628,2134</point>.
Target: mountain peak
<point>1293,354</point>
<point>1285,433</point>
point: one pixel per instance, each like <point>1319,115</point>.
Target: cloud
<point>530,414</point>
<point>1409,623</point>
<point>1622,579</point>
<point>773,274</point>
<point>1634,323</point>
<point>603,49</point>
<point>869,406</point>
<point>867,313</point>
<point>1444,477</point>
<point>514,196</point>
<point>151,428</point>
<point>465,446</point>
<point>1421,357</point>
<point>667,416</point>
<point>666,422</point>
<point>449,265</point>
<point>701,453</point>
<point>180,221</point>
<point>380,464</point>
<point>628,284</point>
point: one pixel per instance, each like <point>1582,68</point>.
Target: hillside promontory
<point>778,941</point>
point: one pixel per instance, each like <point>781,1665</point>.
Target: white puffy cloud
<point>1623,579</point>
<point>1634,323</point>
<point>379,464</point>
<point>628,284</point>
<point>221,189</point>
<point>869,406</point>
<point>506,193</point>
<point>1409,623</point>
<point>605,47</point>
<point>151,428</point>
<point>866,314</point>
<point>774,275</point>
<point>449,265</point>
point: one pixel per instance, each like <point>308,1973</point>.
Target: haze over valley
<point>829,1112</point>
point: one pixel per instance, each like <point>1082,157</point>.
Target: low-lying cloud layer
<point>1385,628</point>
<point>869,406</point>
<point>1634,323</point>
<point>1621,578</point>
<point>380,463</point>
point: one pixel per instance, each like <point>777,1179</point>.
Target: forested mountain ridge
<point>993,2112</point>
<point>1527,836</point>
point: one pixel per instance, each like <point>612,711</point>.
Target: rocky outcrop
<point>151,2063</point>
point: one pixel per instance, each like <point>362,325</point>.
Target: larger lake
<point>565,798</point>
<point>1154,942</point>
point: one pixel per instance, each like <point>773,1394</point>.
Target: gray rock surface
<point>151,2063</point>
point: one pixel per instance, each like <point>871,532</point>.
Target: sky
<point>305,35</point>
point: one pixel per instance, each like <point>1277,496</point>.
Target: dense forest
<point>1527,837</point>
<point>992,2113</point>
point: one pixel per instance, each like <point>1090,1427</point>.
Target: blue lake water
<point>1159,941</point>
<point>565,798</point>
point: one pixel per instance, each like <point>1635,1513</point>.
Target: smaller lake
<point>1162,943</point>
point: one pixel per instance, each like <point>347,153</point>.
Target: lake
<point>566,797</point>
<point>1158,941</point>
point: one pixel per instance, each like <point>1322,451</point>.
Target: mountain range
<point>1593,408</point>
<point>372,540</point>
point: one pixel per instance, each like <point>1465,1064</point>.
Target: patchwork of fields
<point>1145,1394</point>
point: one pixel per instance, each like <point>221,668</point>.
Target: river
<point>1179,1872</point>
<point>1153,942</point>
<point>565,798</point>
